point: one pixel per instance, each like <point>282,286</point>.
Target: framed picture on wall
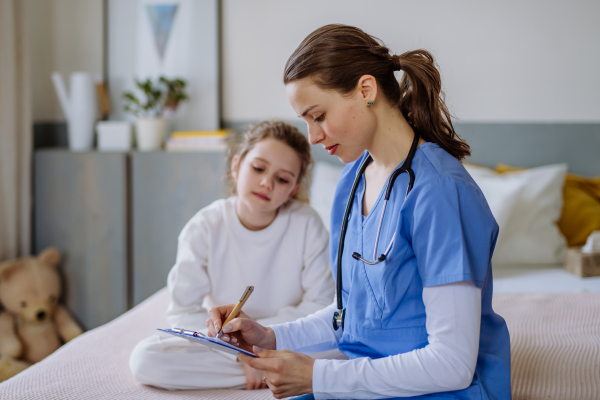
<point>174,38</point>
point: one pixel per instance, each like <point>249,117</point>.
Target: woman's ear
<point>367,88</point>
<point>235,165</point>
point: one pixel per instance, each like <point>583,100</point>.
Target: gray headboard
<point>535,144</point>
<point>516,144</point>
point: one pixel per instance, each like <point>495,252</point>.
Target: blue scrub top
<point>445,233</point>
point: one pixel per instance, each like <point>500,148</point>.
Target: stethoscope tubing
<point>406,167</point>
<point>361,170</point>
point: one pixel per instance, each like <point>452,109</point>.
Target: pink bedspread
<point>555,344</point>
<point>555,341</point>
<point>95,365</point>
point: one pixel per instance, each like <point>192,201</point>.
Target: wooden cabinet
<point>168,189</point>
<point>80,207</point>
<point>115,218</point>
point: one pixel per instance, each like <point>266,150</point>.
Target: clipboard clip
<point>191,333</point>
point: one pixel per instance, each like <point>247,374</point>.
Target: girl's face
<point>341,124</point>
<point>267,177</point>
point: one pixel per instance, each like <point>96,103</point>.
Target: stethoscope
<point>340,314</point>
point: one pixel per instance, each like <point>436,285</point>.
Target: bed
<point>95,365</point>
<point>555,352</point>
<point>553,316</point>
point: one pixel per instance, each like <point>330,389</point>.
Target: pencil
<point>237,308</point>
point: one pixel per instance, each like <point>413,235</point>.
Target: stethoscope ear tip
<point>356,256</point>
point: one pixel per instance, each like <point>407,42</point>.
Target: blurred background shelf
<point>115,218</point>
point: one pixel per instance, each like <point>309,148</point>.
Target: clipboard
<point>213,343</point>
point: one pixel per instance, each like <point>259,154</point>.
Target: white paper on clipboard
<point>213,343</point>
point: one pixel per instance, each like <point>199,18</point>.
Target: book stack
<point>197,141</point>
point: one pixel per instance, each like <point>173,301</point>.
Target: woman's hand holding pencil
<point>241,331</point>
<point>238,307</point>
<point>287,373</point>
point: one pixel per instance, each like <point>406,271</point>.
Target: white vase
<point>80,108</point>
<point>150,133</point>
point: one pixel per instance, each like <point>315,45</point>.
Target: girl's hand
<point>241,331</point>
<point>253,378</point>
<point>287,373</point>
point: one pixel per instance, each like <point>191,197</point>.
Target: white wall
<point>503,61</point>
<point>192,54</point>
<point>65,36</point>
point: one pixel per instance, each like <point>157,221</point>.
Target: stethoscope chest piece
<point>338,319</point>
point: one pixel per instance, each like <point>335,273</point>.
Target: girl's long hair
<point>337,56</point>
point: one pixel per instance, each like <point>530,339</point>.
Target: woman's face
<point>341,124</point>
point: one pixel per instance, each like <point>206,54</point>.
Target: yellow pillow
<point>580,214</point>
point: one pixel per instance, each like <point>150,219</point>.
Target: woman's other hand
<point>287,373</point>
<point>241,331</point>
<point>254,380</point>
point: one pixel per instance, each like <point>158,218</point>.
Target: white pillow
<point>527,205</point>
<point>324,182</point>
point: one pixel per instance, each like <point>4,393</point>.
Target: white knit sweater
<point>217,257</point>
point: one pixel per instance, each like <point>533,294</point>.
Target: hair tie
<point>396,63</point>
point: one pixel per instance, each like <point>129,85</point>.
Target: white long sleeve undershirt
<point>447,363</point>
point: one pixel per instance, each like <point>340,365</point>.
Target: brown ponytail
<point>336,56</point>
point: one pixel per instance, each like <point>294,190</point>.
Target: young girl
<point>412,233</point>
<point>262,236</point>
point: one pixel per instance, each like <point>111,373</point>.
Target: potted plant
<point>160,99</point>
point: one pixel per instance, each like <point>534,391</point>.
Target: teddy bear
<point>33,324</point>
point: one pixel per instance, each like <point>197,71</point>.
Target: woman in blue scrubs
<point>418,321</point>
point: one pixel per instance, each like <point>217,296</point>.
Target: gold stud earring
<point>370,103</point>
